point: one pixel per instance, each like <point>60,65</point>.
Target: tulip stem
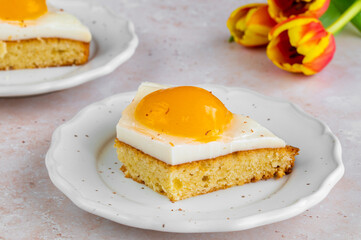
<point>347,16</point>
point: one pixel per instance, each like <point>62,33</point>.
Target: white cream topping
<point>242,134</point>
<point>53,24</point>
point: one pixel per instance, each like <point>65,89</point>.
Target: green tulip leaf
<point>335,10</point>
<point>330,16</point>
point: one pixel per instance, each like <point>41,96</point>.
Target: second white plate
<point>113,42</point>
<point>82,163</point>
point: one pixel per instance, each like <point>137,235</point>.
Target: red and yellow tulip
<point>281,10</point>
<point>301,45</point>
<point>250,24</point>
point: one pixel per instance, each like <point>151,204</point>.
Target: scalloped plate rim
<point>76,80</point>
<point>244,223</point>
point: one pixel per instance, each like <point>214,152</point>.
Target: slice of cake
<point>33,36</point>
<point>183,142</point>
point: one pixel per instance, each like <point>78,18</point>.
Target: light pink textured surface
<point>181,42</point>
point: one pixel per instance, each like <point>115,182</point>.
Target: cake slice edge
<point>182,181</point>
<point>42,52</point>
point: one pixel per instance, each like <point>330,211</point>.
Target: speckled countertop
<point>181,42</point>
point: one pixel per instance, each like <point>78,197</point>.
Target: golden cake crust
<point>186,180</point>
<point>42,52</point>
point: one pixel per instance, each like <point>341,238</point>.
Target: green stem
<point>350,13</point>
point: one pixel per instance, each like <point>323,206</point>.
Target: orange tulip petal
<point>301,44</point>
<point>281,10</point>
<point>323,59</point>
<point>289,23</point>
<point>249,25</point>
<point>261,17</point>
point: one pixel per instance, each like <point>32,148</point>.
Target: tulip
<point>301,45</point>
<point>281,10</point>
<point>250,24</point>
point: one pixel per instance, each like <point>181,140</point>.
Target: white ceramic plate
<point>82,163</point>
<point>113,42</point>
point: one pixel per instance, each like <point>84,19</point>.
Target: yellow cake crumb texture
<point>186,180</point>
<point>40,53</point>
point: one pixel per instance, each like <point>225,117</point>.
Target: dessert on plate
<point>183,142</point>
<point>33,35</point>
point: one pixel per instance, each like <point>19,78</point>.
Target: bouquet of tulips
<point>294,30</point>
